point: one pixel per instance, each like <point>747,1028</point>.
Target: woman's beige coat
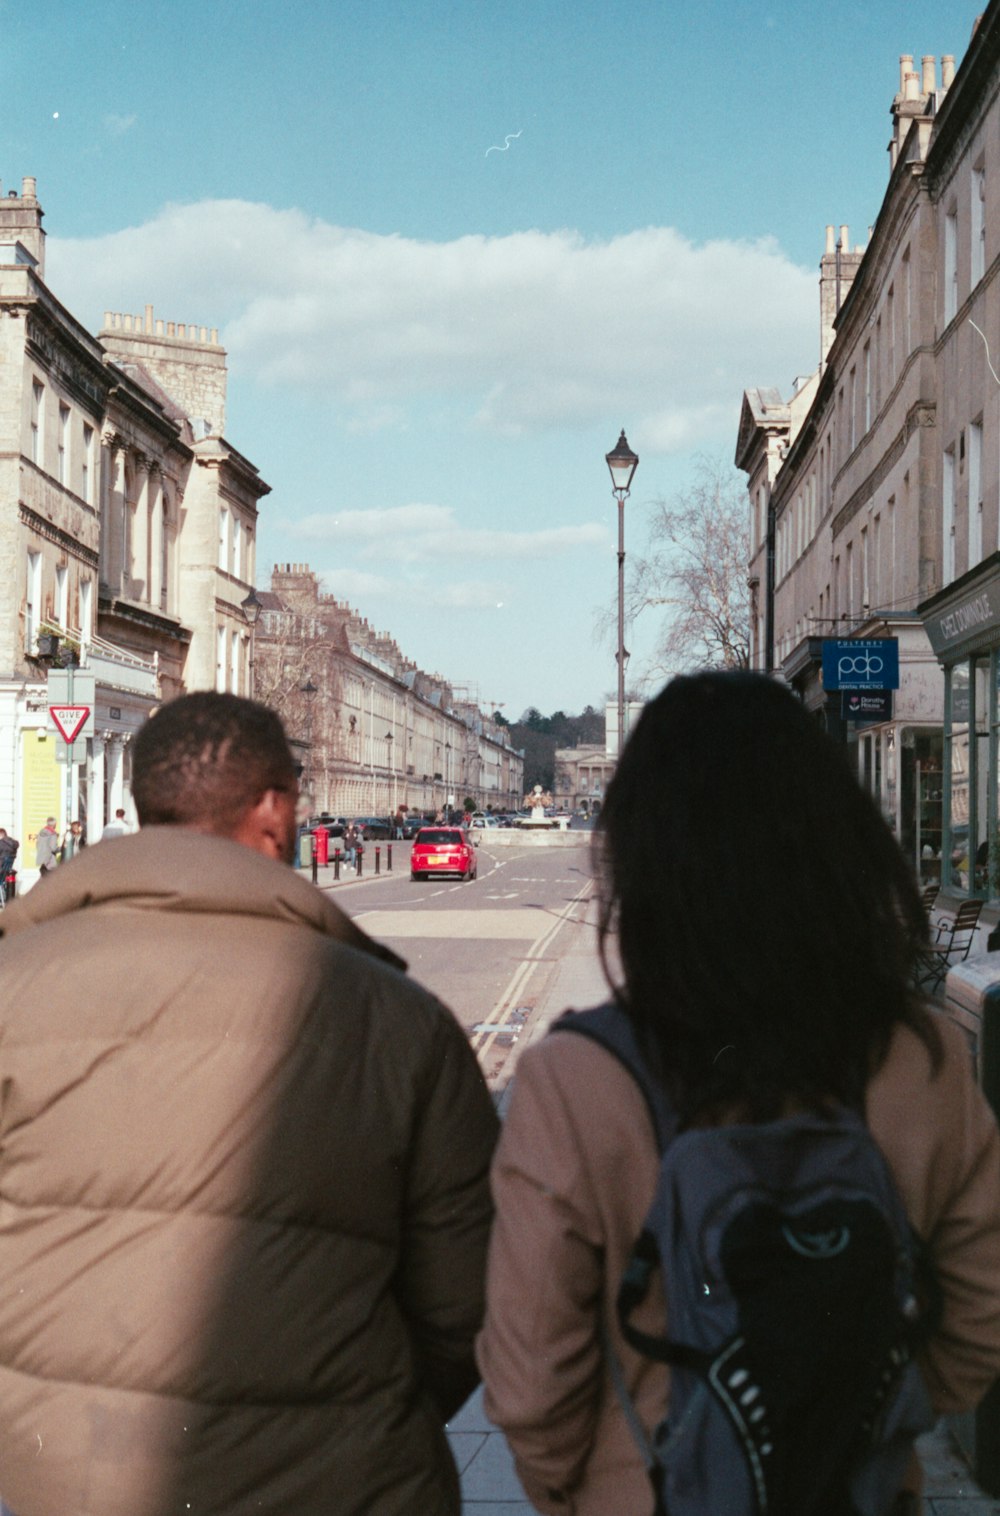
<point>243,1198</point>
<point>573,1178</point>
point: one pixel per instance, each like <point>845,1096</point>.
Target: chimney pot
<point>928,64</point>
<point>905,65</point>
<point>148,325</point>
<point>947,69</point>
<point>830,243</point>
<point>29,188</point>
<point>844,240</point>
<point>911,89</point>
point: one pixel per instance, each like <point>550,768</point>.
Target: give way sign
<point>69,719</point>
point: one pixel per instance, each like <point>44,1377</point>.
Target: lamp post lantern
<point>622,464</point>
<point>251,608</point>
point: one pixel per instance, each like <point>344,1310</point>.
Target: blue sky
<point>432,345</point>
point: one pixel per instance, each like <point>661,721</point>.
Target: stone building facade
<point>875,490</point>
<point>378,734</point>
<point>127,531</point>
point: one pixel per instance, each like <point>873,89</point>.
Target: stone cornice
<point>972,91</point>
<point>49,532</point>
<point>141,615</point>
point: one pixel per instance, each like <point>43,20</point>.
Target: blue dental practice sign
<point>861,665</point>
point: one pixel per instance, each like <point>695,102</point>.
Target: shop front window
<point>922,792</point>
<point>957,877</point>
<point>972,708</point>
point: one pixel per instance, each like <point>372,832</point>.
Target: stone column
<point>113,754</point>
<point>155,538</point>
<point>95,789</point>
<point>138,588</point>
<point>113,512</point>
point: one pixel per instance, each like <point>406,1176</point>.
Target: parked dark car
<point>336,826</point>
<point>374,828</point>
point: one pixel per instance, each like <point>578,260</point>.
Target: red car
<point>442,850</point>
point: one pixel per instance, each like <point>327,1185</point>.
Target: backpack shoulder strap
<point>609,1026</point>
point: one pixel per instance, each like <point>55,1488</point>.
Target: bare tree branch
<point>696,571</point>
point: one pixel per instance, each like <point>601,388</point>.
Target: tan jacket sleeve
<point>942,1143</point>
<point>539,1351</point>
<point>446,1227</point>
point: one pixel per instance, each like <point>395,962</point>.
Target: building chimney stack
<point>29,189</point>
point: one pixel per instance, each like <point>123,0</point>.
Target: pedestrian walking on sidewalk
<point>119,827</point>
<point>766,926</point>
<point>47,848</point>
<point>244,1166</point>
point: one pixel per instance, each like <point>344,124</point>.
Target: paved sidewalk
<point>490,1486</point>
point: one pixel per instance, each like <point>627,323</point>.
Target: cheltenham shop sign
<point>964,620</point>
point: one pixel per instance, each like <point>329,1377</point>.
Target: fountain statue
<point>536,803</point>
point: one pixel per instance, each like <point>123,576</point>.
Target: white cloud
<point>415,533</point>
<point>515,334</point>
<point>117,126</point>
<point>376,523</point>
<point>384,596</point>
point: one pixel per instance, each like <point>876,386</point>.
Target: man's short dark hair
<point>204,759</point>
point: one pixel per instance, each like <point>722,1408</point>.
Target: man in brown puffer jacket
<point>243,1170</point>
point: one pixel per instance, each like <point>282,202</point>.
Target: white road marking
<point>499,925</point>
<point>514,994</point>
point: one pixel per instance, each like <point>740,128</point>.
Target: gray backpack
<point>795,1294</point>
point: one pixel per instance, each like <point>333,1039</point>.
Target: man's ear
<point>264,826</point>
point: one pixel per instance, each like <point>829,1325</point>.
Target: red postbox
<point>321,842</point>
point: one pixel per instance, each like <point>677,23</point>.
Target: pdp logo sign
<point>861,665</point>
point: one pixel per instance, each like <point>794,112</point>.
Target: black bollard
<point>336,865</point>
<point>388,857</point>
<point>378,860</point>
<point>359,865</point>
<point>315,866</point>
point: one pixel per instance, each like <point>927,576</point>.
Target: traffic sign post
<point>70,721</point>
<point>75,753</point>
<point>71,707</point>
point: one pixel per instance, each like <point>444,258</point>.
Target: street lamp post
<point>310,691</point>
<point>388,748</point>
<point>251,608</point>
<point>622,464</point>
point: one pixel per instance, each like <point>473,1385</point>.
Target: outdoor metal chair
<point>955,936</point>
<point>929,895</point>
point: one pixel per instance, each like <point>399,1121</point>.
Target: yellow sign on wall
<point>42,780</point>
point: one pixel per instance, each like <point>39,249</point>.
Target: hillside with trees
<point>540,735</point>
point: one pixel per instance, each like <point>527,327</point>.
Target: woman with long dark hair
<point>759,927</point>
